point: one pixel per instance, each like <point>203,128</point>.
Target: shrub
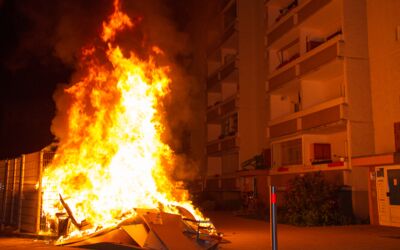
<point>312,201</point>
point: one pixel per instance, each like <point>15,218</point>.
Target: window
<point>291,152</point>
<point>322,151</point>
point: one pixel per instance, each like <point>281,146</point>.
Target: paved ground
<point>9,243</point>
<point>247,234</point>
<point>254,234</point>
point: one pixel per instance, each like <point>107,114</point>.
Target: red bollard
<point>273,222</point>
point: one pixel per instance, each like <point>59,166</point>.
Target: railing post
<point>21,190</point>
<point>273,222</point>
<point>5,194</point>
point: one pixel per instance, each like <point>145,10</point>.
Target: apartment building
<point>235,116</point>
<point>318,92</point>
<point>289,78</point>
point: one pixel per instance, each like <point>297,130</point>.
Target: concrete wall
<point>252,106</point>
<point>384,52</point>
<point>316,92</point>
<point>357,178</point>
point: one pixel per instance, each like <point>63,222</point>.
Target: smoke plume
<point>78,23</point>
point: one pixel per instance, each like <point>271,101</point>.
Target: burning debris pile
<point>110,171</point>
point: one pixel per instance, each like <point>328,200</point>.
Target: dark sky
<point>39,44</point>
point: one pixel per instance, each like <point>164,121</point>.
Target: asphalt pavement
<point>250,234</point>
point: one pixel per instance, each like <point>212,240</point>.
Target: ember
<point>109,172</point>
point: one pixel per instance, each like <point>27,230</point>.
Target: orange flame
<point>112,158</point>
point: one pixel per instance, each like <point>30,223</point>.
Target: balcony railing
<point>297,16</point>
<point>283,128</point>
<point>219,146</point>
<point>225,182</point>
<point>316,59</point>
<point>323,114</point>
<point>214,115</point>
<point>280,30</point>
<point>222,109</point>
<point>303,168</point>
<point>228,39</point>
<point>227,72</point>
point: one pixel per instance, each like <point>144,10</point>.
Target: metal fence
<point>20,194</point>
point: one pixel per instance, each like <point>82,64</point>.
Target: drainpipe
<point>21,186</point>
<point>349,153</point>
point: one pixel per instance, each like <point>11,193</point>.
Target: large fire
<point>113,159</point>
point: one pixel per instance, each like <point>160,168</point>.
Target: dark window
<point>397,136</point>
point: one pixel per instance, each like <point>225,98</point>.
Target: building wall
<point>384,53</point>
<point>357,178</point>
<point>198,70</point>
<point>324,94</point>
<point>234,89</point>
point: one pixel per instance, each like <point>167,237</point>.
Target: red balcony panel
<point>228,33</point>
<point>229,144</point>
<point>212,82</point>
<point>280,30</point>
<point>322,117</point>
<point>227,70</point>
<point>310,9</point>
<point>283,128</point>
<point>229,107</point>
<point>319,59</point>
<point>278,80</point>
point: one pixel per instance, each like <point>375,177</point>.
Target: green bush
<point>311,201</point>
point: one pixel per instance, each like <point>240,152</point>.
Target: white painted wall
<point>280,106</point>
<point>316,92</point>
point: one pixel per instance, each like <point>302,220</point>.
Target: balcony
<point>310,152</point>
<point>212,184</point>
<point>283,28</point>
<point>214,114</point>
<point>313,14</point>
<point>322,62</point>
<point>222,109</point>
<point>226,73</point>
<point>283,128</point>
<point>338,165</point>
<point>226,182</point>
<point>317,117</point>
<point>329,53</point>
<point>227,40</point>
<point>223,145</point>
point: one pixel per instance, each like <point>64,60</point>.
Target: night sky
<point>39,46</point>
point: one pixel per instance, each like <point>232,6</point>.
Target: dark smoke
<point>40,50</point>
